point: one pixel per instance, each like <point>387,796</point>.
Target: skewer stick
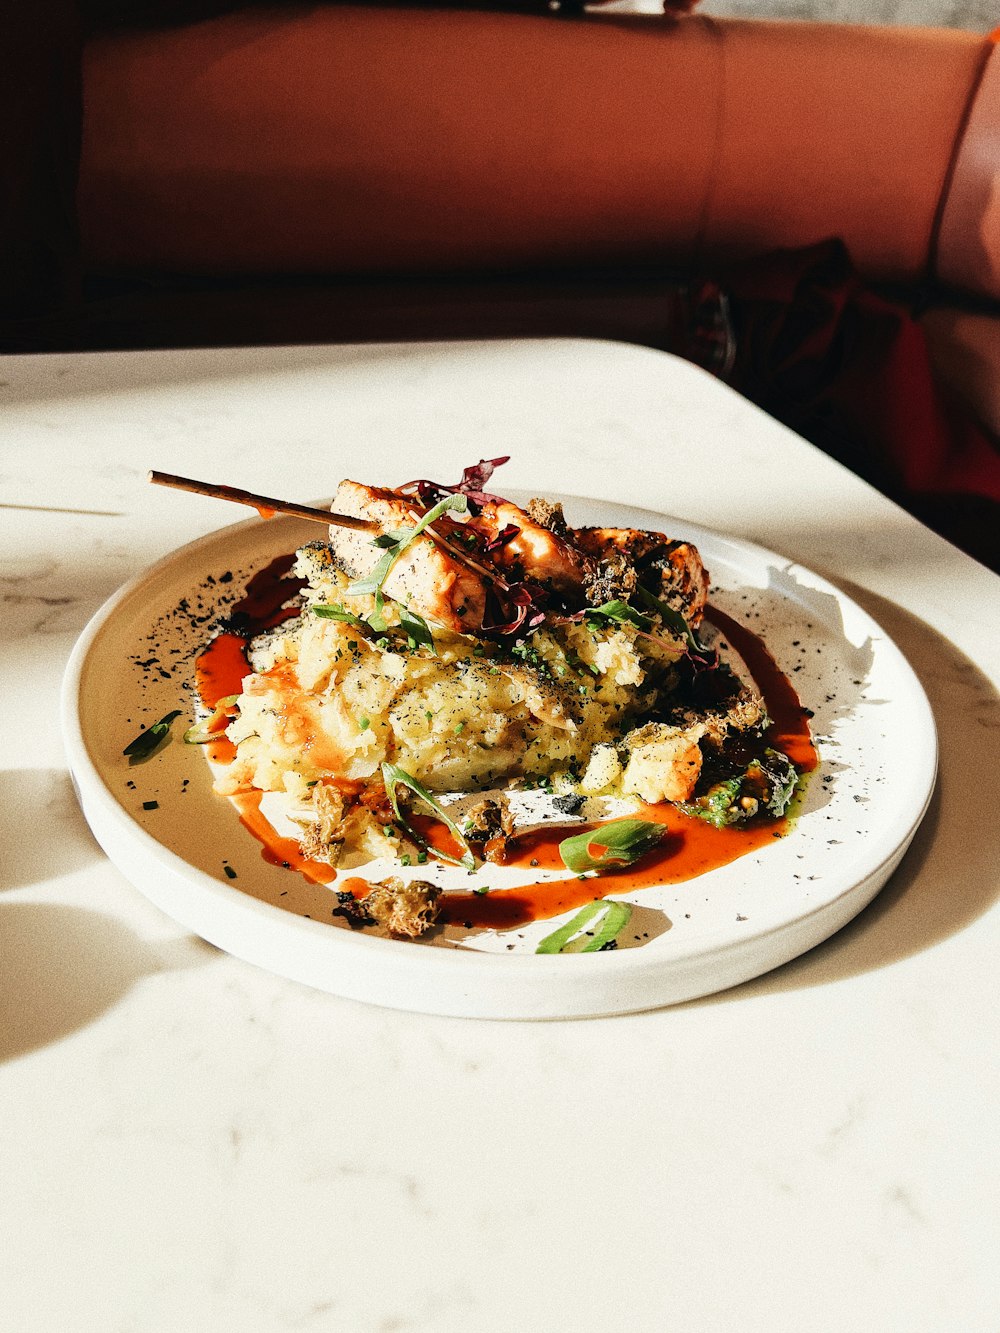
<point>265,505</point>
<point>463,557</point>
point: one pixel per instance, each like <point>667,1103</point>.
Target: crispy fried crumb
<point>403,909</point>
<point>488,818</point>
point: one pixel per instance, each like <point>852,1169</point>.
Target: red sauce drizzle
<point>262,605</point>
<point>789,730</point>
<point>278,851</point>
<point>219,671</point>
<point>691,847</point>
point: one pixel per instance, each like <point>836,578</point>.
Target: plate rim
<point>92,789</point>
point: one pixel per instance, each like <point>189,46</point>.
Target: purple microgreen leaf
<point>473,480</point>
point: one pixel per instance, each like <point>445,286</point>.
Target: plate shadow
<point>42,830</point>
<point>65,966</point>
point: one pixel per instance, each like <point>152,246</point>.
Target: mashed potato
<point>586,702</point>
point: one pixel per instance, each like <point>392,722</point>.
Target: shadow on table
<point>951,873</point>
<point>63,966</point>
<point>43,833</point>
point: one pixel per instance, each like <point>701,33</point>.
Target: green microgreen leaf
<point>333,611</point>
<point>618,611</point>
<point>675,622</point>
<point>417,629</point>
<point>376,621</point>
<point>616,918</point>
<point>210,728</point>
<point>620,843</point>
<point>400,541</point>
<point>148,742</point>
<point>392,775</point>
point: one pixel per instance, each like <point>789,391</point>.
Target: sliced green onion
<point>148,742</point>
<point>376,621</point>
<point>417,629</point>
<point>401,540</point>
<point>332,611</point>
<point>616,918</point>
<point>393,774</point>
<point>210,727</point>
<point>620,843</point>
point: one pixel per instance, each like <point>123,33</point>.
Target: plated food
<point>710,906</point>
<point>455,681</point>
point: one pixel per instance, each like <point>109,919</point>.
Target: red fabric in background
<point>850,370</point>
<point>815,347</point>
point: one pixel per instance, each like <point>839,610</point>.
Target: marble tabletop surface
<point>191,1143</point>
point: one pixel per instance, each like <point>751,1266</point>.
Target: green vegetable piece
<point>782,777</point>
<point>620,843</point>
<point>377,621</point>
<point>675,622</point>
<point>767,785</point>
<point>401,540</point>
<point>616,917</point>
<point>719,806</point>
<point>150,741</point>
<point>417,629</point>
<point>393,774</point>
<point>333,611</point>
<point>210,728</point>
<point>619,611</point>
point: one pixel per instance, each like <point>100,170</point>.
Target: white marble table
<point>189,1143</point>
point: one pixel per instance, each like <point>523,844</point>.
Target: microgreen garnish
<point>616,917</point>
<point>417,630</point>
<point>472,483</point>
<point>615,845</point>
<point>618,611</point>
<point>372,582</point>
<point>333,611</point>
<point>148,742</point>
<point>700,654</point>
<point>520,609</point>
<point>209,728</point>
<point>392,775</point>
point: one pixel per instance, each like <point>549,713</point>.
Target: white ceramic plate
<point>163,827</point>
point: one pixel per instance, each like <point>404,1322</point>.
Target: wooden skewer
<point>265,505</point>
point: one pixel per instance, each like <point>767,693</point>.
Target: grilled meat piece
<point>625,558</point>
<point>430,580</point>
